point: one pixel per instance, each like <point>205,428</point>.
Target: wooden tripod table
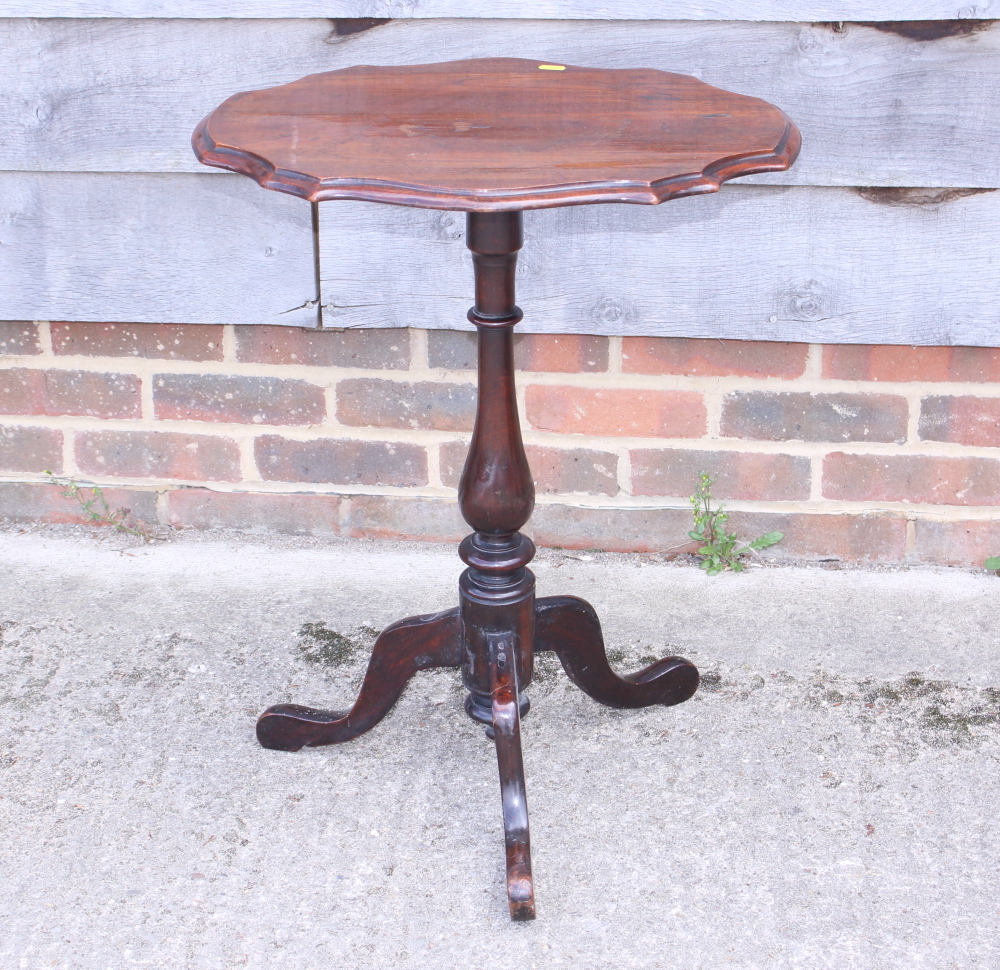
<point>493,137</point>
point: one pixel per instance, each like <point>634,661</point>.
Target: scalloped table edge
<point>313,189</point>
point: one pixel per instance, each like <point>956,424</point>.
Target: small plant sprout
<point>992,563</point>
<point>720,549</point>
<point>95,507</point>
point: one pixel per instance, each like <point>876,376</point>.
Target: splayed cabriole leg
<point>570,627</point>
<point>507,734</point>
<point>416,643</point>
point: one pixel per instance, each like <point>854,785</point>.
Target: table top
<point>495,134</point>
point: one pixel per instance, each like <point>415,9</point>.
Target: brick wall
<point>854,452</point>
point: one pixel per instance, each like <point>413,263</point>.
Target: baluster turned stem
<point>496,493</point>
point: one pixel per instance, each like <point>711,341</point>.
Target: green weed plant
<point>719,549</point>
<point>95,507</point>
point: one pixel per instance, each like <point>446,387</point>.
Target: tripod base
<point>564,624</point>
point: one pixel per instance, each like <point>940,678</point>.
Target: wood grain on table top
<point>496,133</point>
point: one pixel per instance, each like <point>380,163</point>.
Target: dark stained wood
<point>495,134</point>
<point>507,731</point>
<point>496,493</point>
<point>493,137</point>
<point>416,643</point>
<point>569,626</point>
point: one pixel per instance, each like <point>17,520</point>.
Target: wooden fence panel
<point>768,263</point>
<point>83,100</point>
<point>797,10</point>
<point>875,108</point>
<point>153,248</point>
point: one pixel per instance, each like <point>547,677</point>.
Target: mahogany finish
<point>569,626</point>
<point>497,133</point>
<point>416,643</point>
<point>493,137</point>
<point>507,728</point>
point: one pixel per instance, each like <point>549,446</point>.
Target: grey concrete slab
<point>828,800</point>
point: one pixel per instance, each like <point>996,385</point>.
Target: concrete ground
<point>828,799</point>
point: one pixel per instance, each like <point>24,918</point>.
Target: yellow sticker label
<point>551,67</point>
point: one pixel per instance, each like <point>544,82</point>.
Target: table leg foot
<point>416,643</point>
<point>570,627</point>
<point>507,735</point>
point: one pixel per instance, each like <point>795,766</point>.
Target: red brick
<point>556,353</point>
<point>713,358</point>
<point>453,349</point>
<point>374,349</point>
<point>341,461</point>
<point>54,392</point>
<point>613,530</point>
<point>31,502</point>
<point>861,362</point>
<point>19,338</point>
<point>963,420</point>
<point>370,402</point>
<point>239,400</point>
<point>561,353</point>
<point>738,475</point>
<point>967,543</point>
<point>854,538</point>
<point>158,454</point>
<point>573,470</point>
<point>452,461</point>
<point>30,449</point>
<point>911,478</point>
<point>562,470</point>
<point>800,416</point>
<point>851,537</point>
<point>158,341</point>
<point>22,391</point>
<point>201,508</point>
<point>398,517</point>
<point>647,414</point>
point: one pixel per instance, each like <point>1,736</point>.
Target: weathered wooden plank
<point>138,248</point>
<point>874,108</point>
<point>796,10</point>
<point>760,262</point>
